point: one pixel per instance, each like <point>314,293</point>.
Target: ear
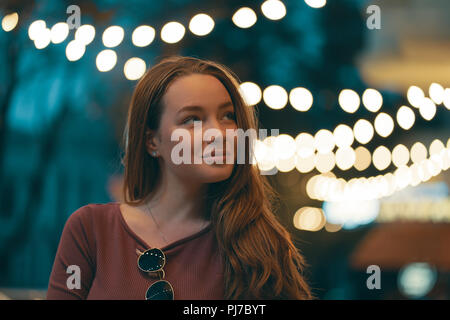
<point>151,141</point>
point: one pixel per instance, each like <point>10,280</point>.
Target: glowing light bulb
<point>201,24</point>
<point>143,35</point>
<point>273,9</point>
<point>301,99</point>
<point>134,68</point>
<point>427,109</point>
<point>415,96</point>
<point>363,131</point>
<point>113,36</point>
<point>85,34</point>
<point>405,117</point>
<point>251,93</point>
<point>172,32</point>
<point>372,100</point>
<point>384,125</point>
<point>244,18</point>
<point>275,97</point>
<point>106,60</point>
<point>9,22</point>
<point>316,3</point>
<point>349,100</point>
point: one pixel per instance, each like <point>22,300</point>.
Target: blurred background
<point>359,91</point>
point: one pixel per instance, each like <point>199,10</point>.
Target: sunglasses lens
<point>151,260</point>
<point>160,290</point>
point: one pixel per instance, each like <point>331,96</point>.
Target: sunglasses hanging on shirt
<point>153,261</point>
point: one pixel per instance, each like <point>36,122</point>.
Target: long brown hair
<point>260,259</point>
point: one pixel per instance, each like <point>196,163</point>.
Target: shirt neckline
<point>169,246</point>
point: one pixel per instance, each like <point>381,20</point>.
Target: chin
<point>214,172</point>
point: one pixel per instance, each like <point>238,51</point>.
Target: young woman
<point>190,230</point>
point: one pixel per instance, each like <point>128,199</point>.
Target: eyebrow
<point>195,107</point>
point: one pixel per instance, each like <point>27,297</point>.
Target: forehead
<point>195,89</point>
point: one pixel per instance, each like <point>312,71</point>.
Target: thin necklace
<point>159,229</point>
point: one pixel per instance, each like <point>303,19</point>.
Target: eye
<point>193,118</point>
<point>231,115</point>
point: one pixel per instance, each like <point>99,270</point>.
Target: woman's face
<point>203,99</point>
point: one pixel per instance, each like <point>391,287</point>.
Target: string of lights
<point>375,187</point>
<point>172,32</point>
<point>341,210</point>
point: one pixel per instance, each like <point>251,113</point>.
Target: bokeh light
<point>381,158</point>
<point>343,135</point>
<point>106,60</point>
<point>42,38</point>
<point>436,92</point>
<point>113,36</point>
<point>309,218</point>
<point>273,9</point>
<point>134,68</point>
<point>172,32</point>
<point>304,144</point>
<point>305,164</point>
<point>275,97</point>
<point>345,158</point>
<point>418,152</point>
<point>400,155</point>
<point>325,162</point>
<point>363,158</point>
<point>142,36</point>
<point>363,131</point>
<point>324,141</point>
<point>244,18</point>
<point>316,3</point>
<point>9,22</point>
<point>59,32</point>
<point>251,93</point>
<point>372,100</point>
<point>75,50</point>
<point>415,96</point>
<point>284,146</point>
<point>427,109</point>
<point>351,214</point>
<point>349,100</point>
<point>415,280</point>
<point>85,34</point>
<point>35,28</point>
<point>446,98</point>
<point>405,117</point>
<point>201,24</point>
<point>384,125</point>
<point>436,147</point>
<point>301,99</point>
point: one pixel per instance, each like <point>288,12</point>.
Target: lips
<point>213,154</point>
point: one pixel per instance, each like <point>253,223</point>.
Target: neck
<point>177,201</point>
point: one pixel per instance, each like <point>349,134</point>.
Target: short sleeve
<point>74,265</point>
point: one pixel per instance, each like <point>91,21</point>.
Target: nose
<point>215,133</point>
<point>214,127</point>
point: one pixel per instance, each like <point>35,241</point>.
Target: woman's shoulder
<point>92,212</point>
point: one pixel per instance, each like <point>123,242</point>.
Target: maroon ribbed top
<point>97,238</point>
